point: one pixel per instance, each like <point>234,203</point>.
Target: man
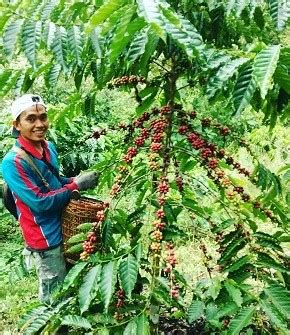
<point>40,197</point>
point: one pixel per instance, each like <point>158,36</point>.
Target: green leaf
<point>75,42</point>
<point>229,308</point>
<point>147,102</point>
<point>85,227</point>
<point>88,289</point>
<point>31,314</point>
<point>241,320</point>
<point>49,33</point>
<point>143,325</point>
<point>268,240</point>
<point>280,297</point>
<point>8,80</point>
<point>223,225</point>
<point>195,310</point>
<point>10,36</point>
<point>128,271</point>
<point>19,84</point>
<point>103,13</point>
<point>183,32</point>
<point>265,65</point>
<point>217,82</point>
<point>215,59</point>
<point>124,32</point>
<point>234,292</point>
<point>3,20</point>
<point>149,9</point>
<point>236,7</point>
<point>53,75</point>
<point>31,35</point>
<point>240,275</point>
<point>232,249</point>
<point>211,314</point>
<point>137,46</point>
<point>187,165</point>
<point>103,331</point>
<point>76,321</point>
<point>267,261</point>
<point>214,288</point>
<point>97,41</point>
<point>73,274</point>
<point>38,322</point>
<point>77,238</point>
<point>238,263</point>
<point>280,12</point>
<point>161,296</point>
<point>131,328</point>
<point>244,89</point>
<point>60,48</point>
<point>76,248</point>
<point>275,317</point>
<point>47,9</point>
<point>284,238</point>
<point>267,179</point>
<point>107,236</point>
<point>108,282</point>
<point>282,71</point>
<point>149,51</point>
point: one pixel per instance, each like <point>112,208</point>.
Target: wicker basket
<point>75,213</point>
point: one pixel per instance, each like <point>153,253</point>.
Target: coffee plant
<point>169,173</point>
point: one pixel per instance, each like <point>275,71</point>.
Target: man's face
<point>32,123</point>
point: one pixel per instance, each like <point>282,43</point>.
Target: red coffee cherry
<point>160,213</point>
<point>183,129</point>
<point>212,163</point>
<point>155,146</point>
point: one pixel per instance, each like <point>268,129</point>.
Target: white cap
<point>25,101</point>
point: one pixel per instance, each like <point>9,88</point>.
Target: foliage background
<point>228,60</point>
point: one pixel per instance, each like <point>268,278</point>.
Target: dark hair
<point>35,98</point>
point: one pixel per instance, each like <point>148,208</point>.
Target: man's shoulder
<point>50,145</point>
<point>9,156</point>
<point>8,163</point>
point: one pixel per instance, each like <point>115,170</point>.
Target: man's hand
<point>86,180</point>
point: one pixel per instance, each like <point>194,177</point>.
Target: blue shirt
<point>39,209</point>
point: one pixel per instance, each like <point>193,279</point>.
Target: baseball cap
<point>21,103</point>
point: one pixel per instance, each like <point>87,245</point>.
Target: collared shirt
<point>39,209</point>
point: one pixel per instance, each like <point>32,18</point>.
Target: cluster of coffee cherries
<point>237,193</point>
<point>118,181</point>
<point>90,244</point>
<point>126,80</point>
<point>209,149</point>
<point>210,156</point>
<point>137,123</point>
<point>154,161</point>
<point>171,262</point>
<point>158,225</point>
<point>223,130</point>
<point>208,122</point>
<point>156,130</point>
<point>120,295</point>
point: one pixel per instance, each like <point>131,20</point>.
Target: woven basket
<point>75,213</point>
